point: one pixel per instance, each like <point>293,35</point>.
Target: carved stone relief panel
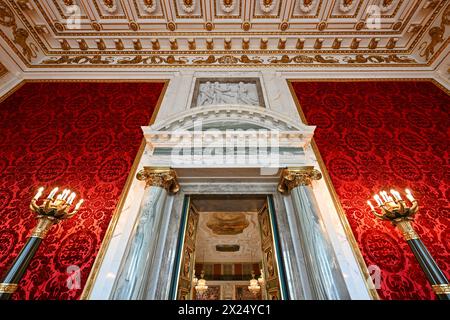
<point>228,91</point>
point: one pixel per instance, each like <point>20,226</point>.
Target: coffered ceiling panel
<point>325,33</point>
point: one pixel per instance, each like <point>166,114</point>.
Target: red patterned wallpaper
<point>81,135</point>
<point>378,135</point>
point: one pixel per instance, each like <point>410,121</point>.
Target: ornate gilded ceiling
<point>3,70</point>
<point>106,33</point>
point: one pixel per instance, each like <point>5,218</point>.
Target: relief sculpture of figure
<point>222,95</point>
<point>206,94</point>
<point>246,96</point>
<point>227,93</point>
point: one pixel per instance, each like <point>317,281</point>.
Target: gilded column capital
<point>293,177</point>
<point>159,177</point>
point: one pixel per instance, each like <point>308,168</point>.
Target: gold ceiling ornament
<point>3,70</point>
<point>155,44</point>
<point>318,44</point>
<point>306,6</point>
<point>246,26</point>
<point>7,18</point>
<point>133,26</point>
<point>82,44</point>
<point>337,43</point>
<point>101,45</point>
<point>355,43</point>
<point>20,35</point>
<point>209,44</point>
<point>119,44</point>
<point>284,26</point>
<point>173,44</point>
<point>227,59</point>
<point>109,5</point>
<point>69,2</point>
<point>165,178</point>
<point>282,44</point>
<point>59,26</point>
<point>391,43</point>
<point>300,44</point>
<point>263,44</point>
<point>24,4</point>
<point>322,26</point>
<point>267,5</point>
<point>171,26</point>
<point>227,5</point>
<point>191,44</point>
<point>137,45</point>
<point>149,5</point>
<point>397,26</point>
<point>347,5</point>
<point>284,60</point>
<point>41,29</point>
<point>209,26</point>
<point>64,44</point>
<point>293,177</point>
<point>188,6</point>
<point>437,36</point>
<point>96,26</point>
<point>360,25</point>
<point>227,44</point>
<point>392,58</point>
<point>386,5</point>
<point>245,43</point>
<point>373,44</point>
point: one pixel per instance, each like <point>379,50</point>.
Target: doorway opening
<point>229,250</point>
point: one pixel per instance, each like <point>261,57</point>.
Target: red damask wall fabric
<point>378,135</point>
<point>79,135</point>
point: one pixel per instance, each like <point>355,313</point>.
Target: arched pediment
<point>234,117</point>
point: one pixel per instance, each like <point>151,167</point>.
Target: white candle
<point>396,194</point>
<point>39,193</point>
<point>370,205</point>
<point>384,196</point>
<point>77,207</point>
<point>378,200</point>
<point>65,194</point>
<point>409,195</point>
<point>71,198</point>
<point>52,193</point>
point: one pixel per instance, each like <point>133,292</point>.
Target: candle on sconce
<point>396,195</point>
<point>71,198</point>
<point>52,193</point>
<point>51,211</point>
<point>384,196</point>
<point>77,207</point>
<point>39,193</point>
<point>409,195</point>
<point>378,200</point>
<point>400,214</point>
